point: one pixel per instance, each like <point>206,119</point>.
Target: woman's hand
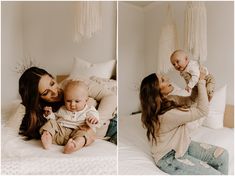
<point>203,72</point>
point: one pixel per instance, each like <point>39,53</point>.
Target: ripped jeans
<point>200,159</point>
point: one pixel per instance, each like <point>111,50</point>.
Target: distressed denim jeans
<point>200,159</point>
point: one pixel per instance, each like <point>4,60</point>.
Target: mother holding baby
<point>165,117</point>
<point>38,89</point>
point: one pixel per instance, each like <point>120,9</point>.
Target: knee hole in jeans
<point>218,152</point>
<point>205,146</point>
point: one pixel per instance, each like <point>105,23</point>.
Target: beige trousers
<point>210,84</point>
<point>61,135</point>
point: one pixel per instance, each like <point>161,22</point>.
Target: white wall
<point>220,30</point>
<point>221,45</point>
<point>11,47</point>
<point>138,51</point>
<point>49,32</point>
<point>44,31</point>
<point>130,56</point>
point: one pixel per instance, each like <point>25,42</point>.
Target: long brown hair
<point>28,90</point>
<point>153,104</point>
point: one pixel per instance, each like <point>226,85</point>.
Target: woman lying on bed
<point>38,89</point>
<point>165,118</point>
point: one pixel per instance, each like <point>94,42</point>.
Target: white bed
<point>134,157</point>
<point>28,157</point>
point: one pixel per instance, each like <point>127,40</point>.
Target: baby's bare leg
<point>76,143</point>
<point>46,139</point>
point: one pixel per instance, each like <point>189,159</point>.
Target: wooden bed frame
<point>60,78</point>
<point>229,116</point>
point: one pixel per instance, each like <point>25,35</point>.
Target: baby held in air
<point>190,71</point>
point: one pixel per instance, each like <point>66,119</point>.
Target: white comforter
<point>134,152</point>
<point>28,157</point>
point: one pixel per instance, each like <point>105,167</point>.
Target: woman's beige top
<point>173,133</point>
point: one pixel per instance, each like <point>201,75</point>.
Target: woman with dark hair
<point>39,89</point>
<point>165,119</point>
<point>35,101</point>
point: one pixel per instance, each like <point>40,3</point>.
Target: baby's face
<point>179,61</point>
<point>75,99</point>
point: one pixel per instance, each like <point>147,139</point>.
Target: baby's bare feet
<point>46,139</point>
<point>73,145</point>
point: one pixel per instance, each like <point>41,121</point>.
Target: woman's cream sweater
<point>173,133</point>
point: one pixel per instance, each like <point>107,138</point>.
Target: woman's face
<point>49,89</point>
<point>164,85</point>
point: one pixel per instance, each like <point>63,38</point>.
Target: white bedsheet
<point>28,157</point>
<point>134,157</point>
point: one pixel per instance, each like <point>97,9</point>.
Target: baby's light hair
<point>76,84</point>
<point>177,51</point>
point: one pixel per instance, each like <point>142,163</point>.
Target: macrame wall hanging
<point>168,43</point>
<point>88,19</point>
<point>25,63</point>
<point>196,30</point>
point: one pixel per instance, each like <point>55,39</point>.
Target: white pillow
<point>215,118</point>
<point>83,69</point>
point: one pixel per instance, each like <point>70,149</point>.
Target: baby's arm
<point>48,114</point>
<point>92,116</point>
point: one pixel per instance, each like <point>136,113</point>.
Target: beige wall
<point>130,56</point>
<point>220,36</point>
<point>49,31</point>
<point>145,45</point>
<point>11,48</point>
<point>43,30</point>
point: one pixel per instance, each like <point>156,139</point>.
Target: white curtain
<point>168,43</point>
<point>196,30</point>
<point>88,19</point>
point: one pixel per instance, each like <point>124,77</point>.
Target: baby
<point>190,71</point>
<point>73,125</point>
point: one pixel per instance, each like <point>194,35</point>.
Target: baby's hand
<point>92,120</point>
<point>188,89</point>
<point>47,111</point>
